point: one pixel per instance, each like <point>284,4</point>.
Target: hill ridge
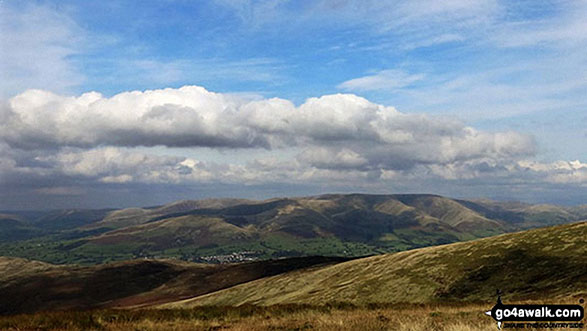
<point>219,229</point>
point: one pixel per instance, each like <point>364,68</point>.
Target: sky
<point>138,103</point>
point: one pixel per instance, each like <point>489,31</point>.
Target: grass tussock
<point>337,316</point>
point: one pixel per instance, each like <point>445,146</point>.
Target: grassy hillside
<point>267,318</point>
<point>30,286</point>
<point>177,231</point>
<point>13,229</point>
<point>542,263</point>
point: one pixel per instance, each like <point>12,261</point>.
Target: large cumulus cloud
<point>334,130</point>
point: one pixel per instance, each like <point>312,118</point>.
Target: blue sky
<point>495,66</point>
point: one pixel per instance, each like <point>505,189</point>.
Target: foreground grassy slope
<point>29,286</point>
<point>246,318</point>
<point>543,263</point>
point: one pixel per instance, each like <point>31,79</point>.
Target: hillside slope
<point>30,286</point>
<point>13,229</point>
<point>543,263</point>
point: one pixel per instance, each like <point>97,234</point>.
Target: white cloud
<point>115,165</point>
<point>409,23</point>
<point>117,179</point>
<point>561,172</point>
<point>36,44</point>
<point>568,29</point>
<point>326,158</point>
<point>435,40</point>
<point>521,87</point>
<point>384,80</point>
<point>348,128</point>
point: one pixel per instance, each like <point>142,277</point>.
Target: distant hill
<point>136,216</point>
<point>548,263</point>
<point>69,219</point>
<point>12,228</point>
<point>217,230</point>
<point>526,216</point>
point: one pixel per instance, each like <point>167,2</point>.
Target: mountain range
<point>233,230</point>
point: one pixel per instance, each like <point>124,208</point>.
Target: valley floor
<point>284,317</point>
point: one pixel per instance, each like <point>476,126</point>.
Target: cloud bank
<point>55,143</point>
<point>191,116</point>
